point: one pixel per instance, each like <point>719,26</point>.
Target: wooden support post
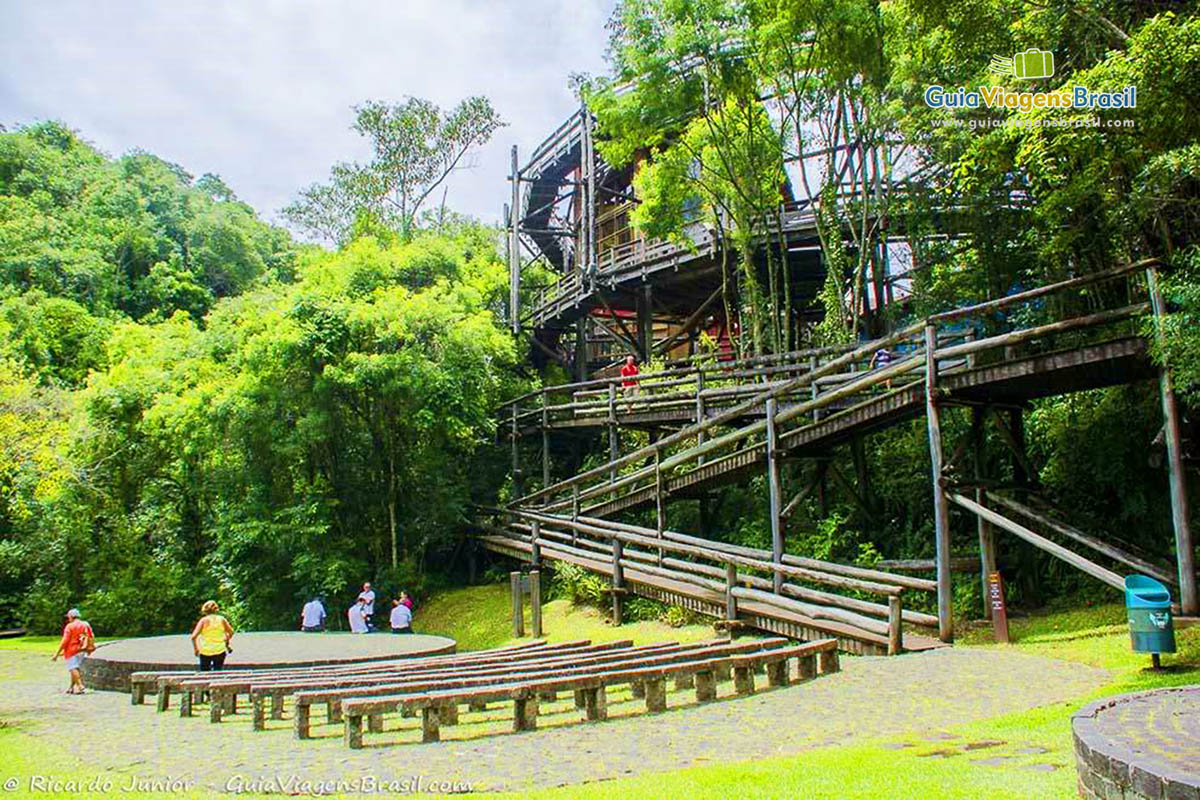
<point>545,444</point>
<point>618,581</point>
<point>525,714</point>
<point>333,712</point>
<point>216,705</point>
<point>812,367</point>
<point>774,497</point>
<point>354,731</point>
<point>163,701</point>
<point>1023,475</point>
<point>518,612</point>
<point>730,600</point>
<point>659,501</point>
<point>535,546</point>
<point>895,629</point>
<point>258,711</point>
<point>431,730</point>
<point>596,703</point>
<point>987,542</point>
<point>302,728</point>
<point>645,316</point>
<point>743,680</point>
<point>581,372</point>
<point>186,698</point>
<point>700,436</point>
<point>941,507</point>
<point>514,246</point>
<point>277,704</point>
<point>656,695</point>
<point>706,686</point>
<point>613,442</point>
<point>1189,602</point>
<point>137,693</point>
<point>827,662</point>
<point>806,668</point>
<point>518,490</point>
<point>535,604</point>
<point>777,673</point>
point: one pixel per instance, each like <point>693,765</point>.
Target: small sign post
<point>995,585</point>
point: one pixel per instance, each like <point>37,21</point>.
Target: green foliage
<point>416,146</point>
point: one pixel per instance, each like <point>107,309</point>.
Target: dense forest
<point>195,403</point>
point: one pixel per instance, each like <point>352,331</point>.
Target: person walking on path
<point>401,617</point>
<point>368,595</point>
<point>77,643</point>
<point>629,384</point>
<point>211,638</point>
<point>312,618</point>
<point>882,359</point>
<point>357,616</point>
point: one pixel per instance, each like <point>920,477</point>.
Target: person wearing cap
<point>211,637</point>
<point>77,642</point>
<point>367,595</point>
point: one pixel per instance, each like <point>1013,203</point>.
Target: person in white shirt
<point>358,620</point>
<point>368,595</point>
<point>312,618</point>
<point>401,618</point>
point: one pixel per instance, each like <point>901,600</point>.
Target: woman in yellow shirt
<point>211,637</point>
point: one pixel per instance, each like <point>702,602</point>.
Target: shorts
<point>211,663</point>
<point>402,630</point>
<point>76,660</point>
<point>313,628</point>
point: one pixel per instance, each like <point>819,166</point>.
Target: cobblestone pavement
<point>914,695</point>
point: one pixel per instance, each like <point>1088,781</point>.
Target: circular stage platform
<point>1144,745</point>
<point>112,664</point>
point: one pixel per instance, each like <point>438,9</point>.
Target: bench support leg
<point>827,662</point>
<point>430,730</point>
<point>525,714</point>
<point>164,698</point>
<point>596,703</point>
<point>333,711</point>
<point>706,686</point>
<point>354,731</point>
<point>185,703</point>
<point>684,681</point>
<point>137,693</point>
<point>806,668</point>
<point>743,680</point>
<point>231,703</point>
<point>303,710</point>
<point>258,710</point>
<point>277,705</point>
<point>216,706</point>
<point>448,714</point>
<point>637,689</point>
<point>777,673</point>
<point>375,723</point>
<point>656,694</point>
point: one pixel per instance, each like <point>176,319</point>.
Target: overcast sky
<point>260,91</point>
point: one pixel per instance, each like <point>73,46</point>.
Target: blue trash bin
<point>1148,604</point>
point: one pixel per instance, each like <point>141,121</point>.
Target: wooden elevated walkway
<point>730,423</point>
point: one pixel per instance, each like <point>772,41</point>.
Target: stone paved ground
<point>1159,730</point>
<point>916,695</point>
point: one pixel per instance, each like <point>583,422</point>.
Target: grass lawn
<point>478,617</point>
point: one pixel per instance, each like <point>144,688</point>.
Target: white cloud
<point>260,92</point>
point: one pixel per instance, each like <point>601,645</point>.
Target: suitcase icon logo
<point>1032,63</point>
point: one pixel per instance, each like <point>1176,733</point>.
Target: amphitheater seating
<point>526,675</point>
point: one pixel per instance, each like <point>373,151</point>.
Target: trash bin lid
<point>1144,592</point>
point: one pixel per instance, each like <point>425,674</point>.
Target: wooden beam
<point>941,510</point>
<point>773,494</point>
<point>987,543</point>
<point>1042,543</point>
<point>692,321</point>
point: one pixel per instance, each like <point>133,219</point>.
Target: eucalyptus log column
<point>773,491</point>
<point>941,507</point>
<point>987,543</point>
<point>1184,552</point>
<point>618,580</point>
<point>514,246</point>
<point>518,613</point>
<point>516,454</point>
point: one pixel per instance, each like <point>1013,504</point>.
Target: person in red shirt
<point>77,643</point>
<point>629,373</point>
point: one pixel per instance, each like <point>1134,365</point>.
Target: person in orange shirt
<point>77,643</point>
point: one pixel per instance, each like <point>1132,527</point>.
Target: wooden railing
<point>771,413</point>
